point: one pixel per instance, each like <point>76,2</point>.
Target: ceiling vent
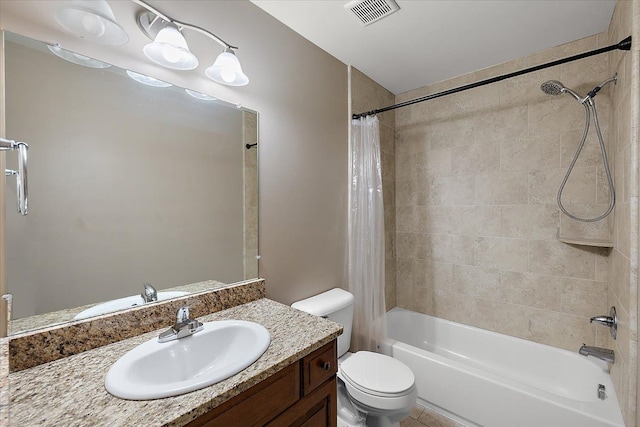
<point>370,11</point>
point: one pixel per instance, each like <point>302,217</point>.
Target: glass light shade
<point>92,20</point>
<point>76,58</point>
<point>170,50</point>
<point>226,70</point>
<point>146,80</point>
<point>200,96</point>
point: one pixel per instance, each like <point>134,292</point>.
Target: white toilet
<point>374,390</point>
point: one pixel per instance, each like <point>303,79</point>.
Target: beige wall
<point>622,289</point>
<point>476,181</point>
<point>300,93</point>
<point>367,95</point>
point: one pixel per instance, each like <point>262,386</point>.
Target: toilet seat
<point>378,381</point>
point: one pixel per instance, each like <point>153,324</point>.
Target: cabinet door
<point>259,404</point>
<point>319,366</point>
<point>317,409</point>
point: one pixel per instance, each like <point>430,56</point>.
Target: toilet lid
<point>377,373</point>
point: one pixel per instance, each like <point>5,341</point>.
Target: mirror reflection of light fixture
<point>199,95</point>
<point>172,48</point>
<point>92,20</point>
<point>76,58</point>
<point>146,80</point>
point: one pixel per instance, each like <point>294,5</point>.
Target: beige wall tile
<point>504,318</point>
<point>555,115</point>
<point>475,220</point>
<point>590,155</point>
<point>531,289</point>
<point>480,281</point>
<point>561,330</point>
<point>431,163</point>
<point>433,274</point>
<point>450,248</point>
<point>580,187</point>
<point>530,221</point>
<point>585,298</point>
<point>451,190</point>
<point>411,245</point>
<point>501,253</point>
<point>481,156</point>
<point>527,153</point>
<point>560,259</point>
<point>452,133</point>
<point>435,219</point>
<point>501,188</point>
<point>455,307</point>
<point>510,122</point>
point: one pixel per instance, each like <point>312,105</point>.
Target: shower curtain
<point>366,236</point>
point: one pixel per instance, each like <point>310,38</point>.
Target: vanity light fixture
<point>92,20</point>
<point>169,47</point>
<point>76,58</point>
<point>146,80</point>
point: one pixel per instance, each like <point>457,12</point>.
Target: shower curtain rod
<point>623,45</point>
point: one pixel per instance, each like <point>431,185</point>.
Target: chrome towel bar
<point>22,189</point>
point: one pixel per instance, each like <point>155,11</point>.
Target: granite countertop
<point>70,392</point>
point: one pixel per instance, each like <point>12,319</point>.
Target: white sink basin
<point>155,370</point>
<point>122,303</point>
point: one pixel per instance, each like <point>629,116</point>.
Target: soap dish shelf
<point>600,243</point>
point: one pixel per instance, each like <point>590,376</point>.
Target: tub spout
<point>601,353</point>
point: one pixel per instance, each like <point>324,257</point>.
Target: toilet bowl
<point>374,390</point>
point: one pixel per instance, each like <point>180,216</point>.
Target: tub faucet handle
<point>611,321</point>
<point>603,320</point>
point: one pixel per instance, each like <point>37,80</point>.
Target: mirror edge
<point>4,303</point>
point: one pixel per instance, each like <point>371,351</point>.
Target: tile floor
<point>423,417</point>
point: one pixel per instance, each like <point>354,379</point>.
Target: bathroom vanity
<point>292,383</point>
<point>302,394</point>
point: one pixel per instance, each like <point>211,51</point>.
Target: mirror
<point>128,184</point>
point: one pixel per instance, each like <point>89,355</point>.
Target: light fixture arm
<point>185,25</point>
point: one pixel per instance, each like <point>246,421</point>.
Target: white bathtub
<point>482,378</point>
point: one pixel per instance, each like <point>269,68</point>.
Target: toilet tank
<point>335,305</point>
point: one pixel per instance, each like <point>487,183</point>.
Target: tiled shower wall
<point>622,290</point>
<point>476,217</point>
<point>367,95</point>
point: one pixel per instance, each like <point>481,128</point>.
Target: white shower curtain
<point>366,236</point>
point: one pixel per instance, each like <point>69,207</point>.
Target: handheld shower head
<point>554,87</point>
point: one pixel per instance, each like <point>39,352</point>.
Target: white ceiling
<point>433,40</point>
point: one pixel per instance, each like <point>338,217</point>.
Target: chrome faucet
<point>149,294</point>
<point>601,353</point>
<point>183,327</point>
<point>610,321</point>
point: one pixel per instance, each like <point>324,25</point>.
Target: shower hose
<point>589,106</point>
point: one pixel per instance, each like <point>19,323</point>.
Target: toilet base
<point>352,413</point>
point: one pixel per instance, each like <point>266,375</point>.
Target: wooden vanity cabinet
<point>302,394</point>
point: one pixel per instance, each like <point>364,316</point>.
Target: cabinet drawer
<point>319,366</point>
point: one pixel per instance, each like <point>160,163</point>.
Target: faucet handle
<point>149,293</point>
<point>603,320</point>
<point>610,321</point>
<point>182,315</point>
